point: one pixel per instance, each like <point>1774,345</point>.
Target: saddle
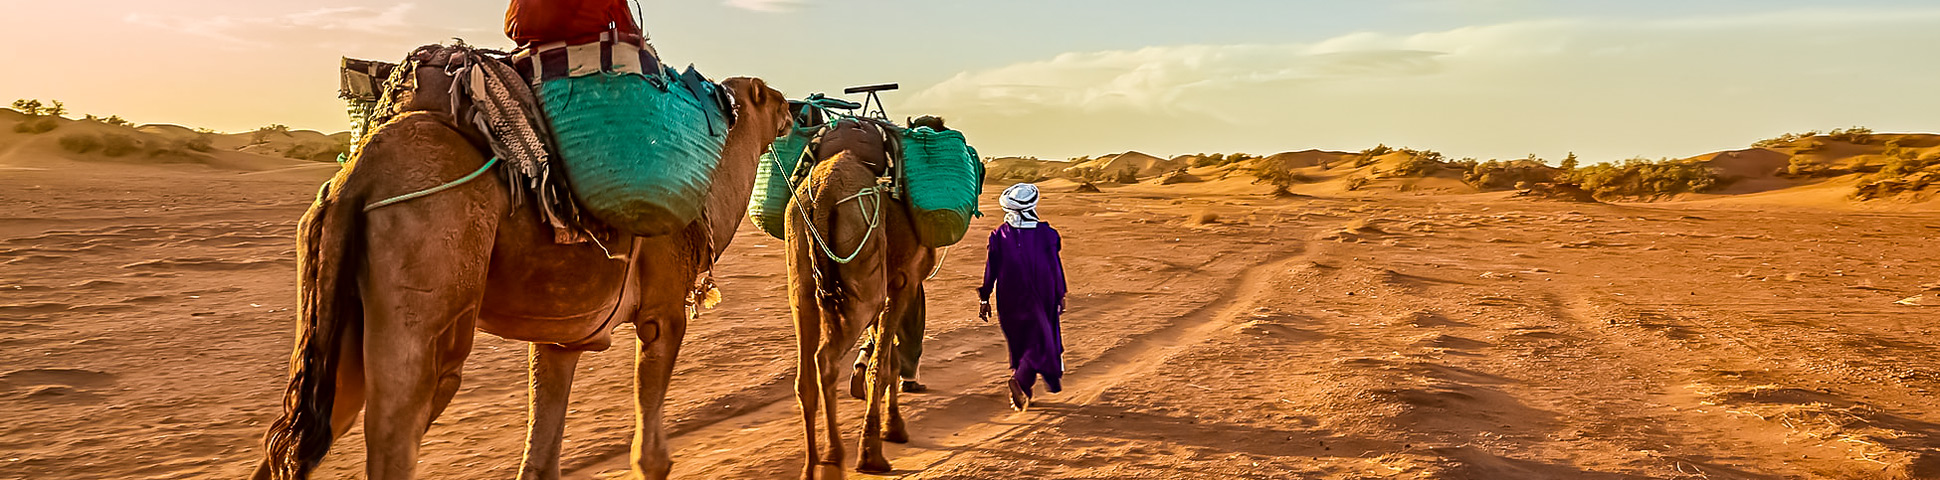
<point>491,97</point>
<point>482,94</point>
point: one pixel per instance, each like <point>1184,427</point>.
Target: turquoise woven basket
<point>640,156</point>
<point>771,183</point>
<point>943,177</point>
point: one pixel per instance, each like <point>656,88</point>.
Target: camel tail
<point>329,314</point>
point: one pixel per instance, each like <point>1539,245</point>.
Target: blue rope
<point>426,192</point>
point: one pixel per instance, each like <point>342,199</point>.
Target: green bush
<point>80,143</point>
<point>1420,163</point>
<point>261,135</point>
<point>1784,140</point>
<point>36,125</point>
<point>1644,178</point>
<point>116,145</point>
<point>1851,135</point>
<point>202,142</point>
<point>30,107</point>
<point>115,120</point>
<point>1280,179</point>
<point>316,151</point>
<point>1367,157</point>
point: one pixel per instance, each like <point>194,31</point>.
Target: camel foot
<point>873,464</point>
<point>898,432</point>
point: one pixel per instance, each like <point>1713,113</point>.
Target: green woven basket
<point>640,153</point>
<point>771,183</point>
<point>943,177</point>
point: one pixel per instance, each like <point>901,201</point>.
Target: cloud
<point>342,24</point>
<point>1601,86</point>
<point>767,6</point>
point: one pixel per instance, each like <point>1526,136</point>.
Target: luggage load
<point>941,178</point>
<point>640,151</point>
<point>773,181</point>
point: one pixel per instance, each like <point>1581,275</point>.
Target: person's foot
<point>910,386</point>
<point>1019,399</point>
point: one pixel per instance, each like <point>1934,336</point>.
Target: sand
<point>1214,332</point>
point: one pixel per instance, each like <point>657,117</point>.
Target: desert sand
<point>1414,329</point>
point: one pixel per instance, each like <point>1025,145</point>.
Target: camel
<point>835,301</point>
<point>401,289</point>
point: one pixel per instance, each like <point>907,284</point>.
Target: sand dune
<point>71,141</point>
<point>1408,327</point>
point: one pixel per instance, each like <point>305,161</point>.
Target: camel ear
<point>762,94</point>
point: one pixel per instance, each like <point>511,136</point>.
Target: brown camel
<point>402,288</point>
<point>835,300</point>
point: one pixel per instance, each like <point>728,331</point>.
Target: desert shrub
<point>115,120</point>
<point>316,151</point>
<point>1420,163</point>
<point>1126,176</point>
<point>1645,178</point>
<point>1851,135</point>
<point>1784,140</point>
<point>1802,167</point>
<point>1017,175</point>
<point>1204,160</point>
<point>1500,175</point>
<point>115,145</point>
<point>1367,157</point>
<point>261,135</point>
<point>31,107</point>
<point>1281,180</point>
<point>1356,183</point>
<point>1569,163</point>
<point>80,143</point>
<point>55,109</point>
<point>1086,174</point>
<point>36,125</point>
<point>203,142</point>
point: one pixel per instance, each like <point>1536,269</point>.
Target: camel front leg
<point>551,368</point>
<point>659,331</point>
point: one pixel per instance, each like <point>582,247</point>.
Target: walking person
<point>1024,275</point>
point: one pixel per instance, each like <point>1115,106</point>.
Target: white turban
<point>1020,205</point>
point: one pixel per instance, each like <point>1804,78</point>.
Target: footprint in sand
<point>40,308</point>
<point>59,385</point>
<point>207,264</point>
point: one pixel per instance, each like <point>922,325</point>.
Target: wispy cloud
<point>768,6</point>
<point>339,23</point>
<point>1587,84</point>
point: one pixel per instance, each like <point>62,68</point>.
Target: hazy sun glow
<point>1499,78</point>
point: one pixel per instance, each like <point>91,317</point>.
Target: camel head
<point>758,107</point>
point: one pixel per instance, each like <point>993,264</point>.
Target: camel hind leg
<point>882,381</point>
<point>424,279</point>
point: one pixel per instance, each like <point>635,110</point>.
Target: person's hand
<point>983,311</point>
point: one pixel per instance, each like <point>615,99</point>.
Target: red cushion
<point>572,21</point>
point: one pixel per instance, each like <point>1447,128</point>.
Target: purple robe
<point>1024,272</point>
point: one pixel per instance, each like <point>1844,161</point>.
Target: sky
<point>1061,78</point>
